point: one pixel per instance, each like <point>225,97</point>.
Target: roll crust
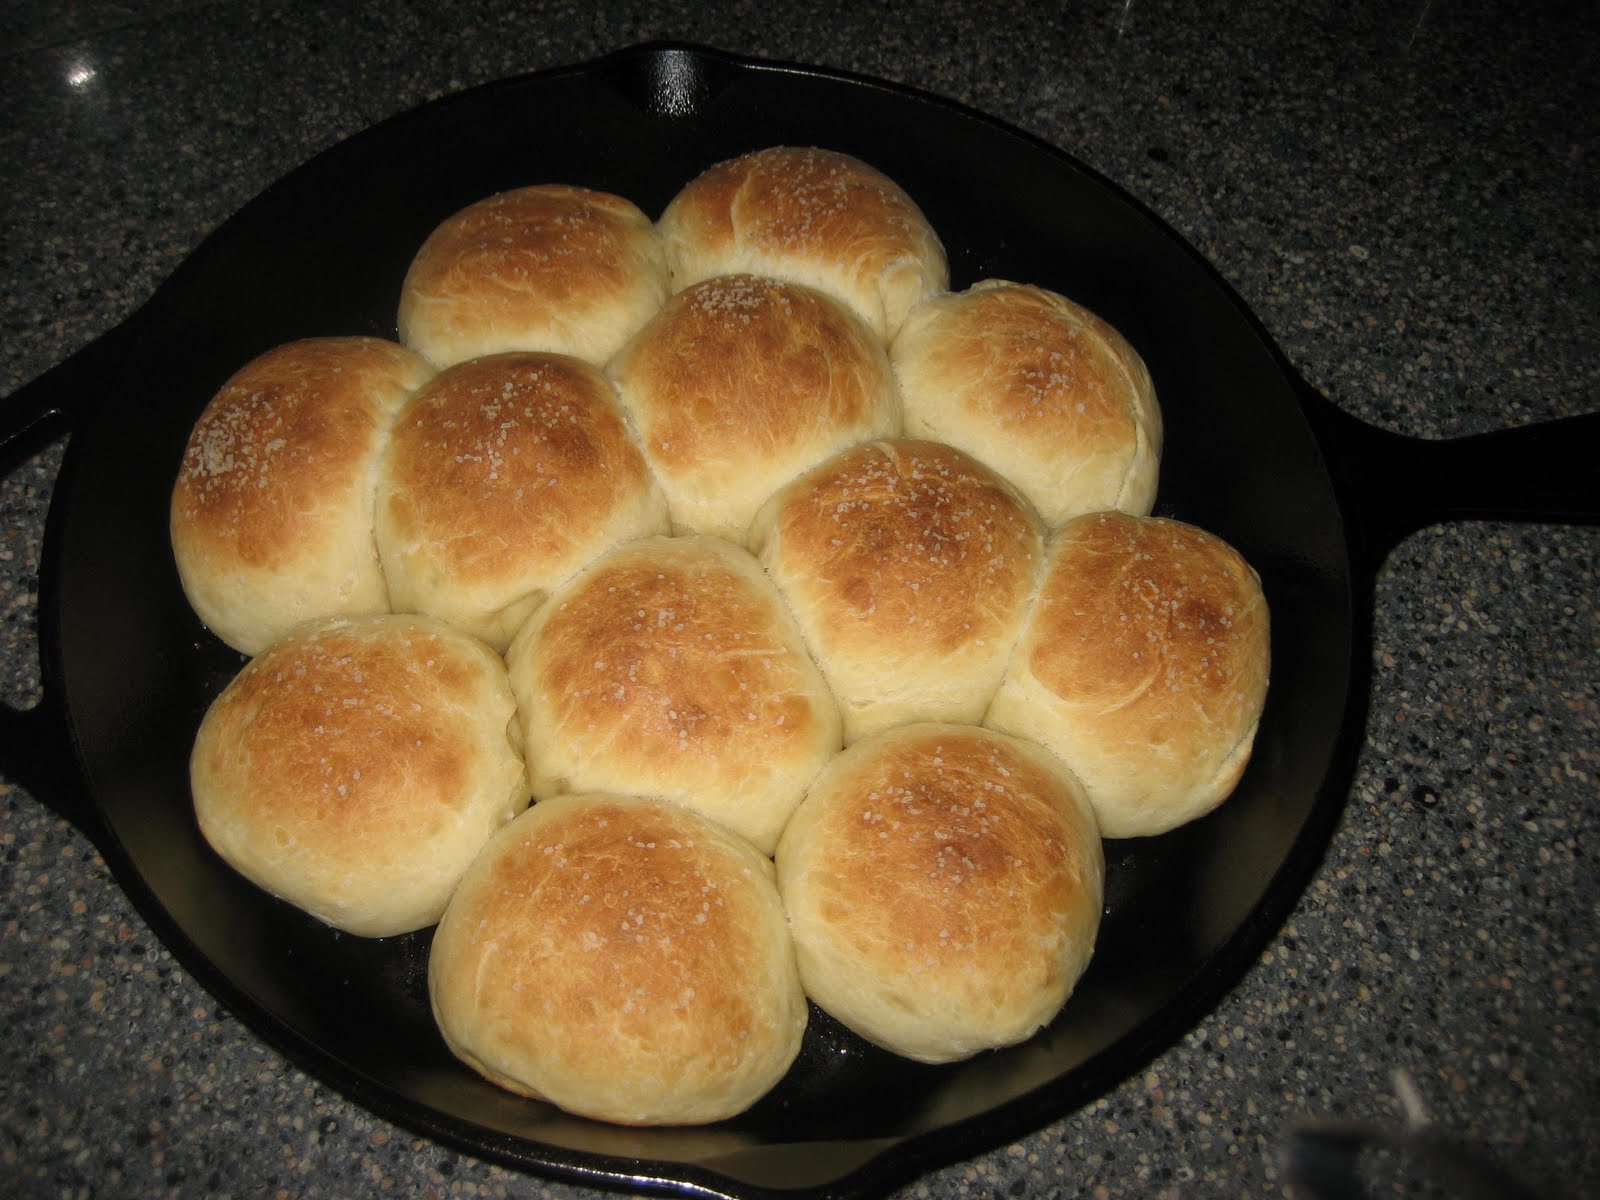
<point>743,382</point>
<point>356,767</point>
<point>271,513</point>
<point>1144,666</point>
<point>944,885</point>
<point>813,216</point>
<point>670,667</point>
<point>502,477</point>
<point>1038,388</point>
<point>622,958</point>
<point>550,267</point>
<point>909,567</point>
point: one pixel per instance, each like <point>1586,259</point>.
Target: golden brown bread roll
<point>1143,665</point>
<point>670,667</point>
<point>549,267</point>
<point>944,886</point>
<point>813,216</point>
<point>502,477</point>
<point>357,766</point>
<point>741,383</point>
<point>909,567</point>
<point>622,958</point>
<point>271,514</point>
<point>1038,388</point>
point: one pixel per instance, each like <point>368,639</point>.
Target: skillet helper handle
<point>35,743</point>
<point>1394,484</point>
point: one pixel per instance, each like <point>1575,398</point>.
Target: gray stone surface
<point>1406,197</point>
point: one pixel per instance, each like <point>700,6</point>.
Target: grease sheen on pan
<point>1038,388</point>
<point>909,567</point>
<point>944,886</point>
<point>502,477</point>
<point>623,958</point>
<point>548,267</point>
<point>671,667</point>
<point>357,766</point>
<point>1144,666</point>
<point>271,512</point>
<point>811,215</point>
<point>742,382</point>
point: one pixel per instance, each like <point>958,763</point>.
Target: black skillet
<point>1311,497</point>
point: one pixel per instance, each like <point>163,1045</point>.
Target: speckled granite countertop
<point>1406,195</point>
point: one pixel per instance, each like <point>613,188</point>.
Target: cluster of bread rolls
<point>815,607</point>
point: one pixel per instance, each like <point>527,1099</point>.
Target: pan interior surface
<point>323,252</point>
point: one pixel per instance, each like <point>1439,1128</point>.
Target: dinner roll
<point>1038,388</point>
<point>550,267</point>
<point>502,477</point>
<point>813,216</point>
<point>357,766</point>
<point>622,958</point>
<point>909,567</point>
<point>741,383</point>
<point>271,515</point>
<point>670,667</point>
<point>1143,664</point>
<point>944,886</point>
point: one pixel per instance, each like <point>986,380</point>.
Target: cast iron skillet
<point>1311,497</point>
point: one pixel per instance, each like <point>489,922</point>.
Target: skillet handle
<point>1392,484</point>
<point>36,749</point>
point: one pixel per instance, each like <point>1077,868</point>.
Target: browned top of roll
<point>1039,388</point>
<point>355,767</point>
<point>1051,368</point>
<point>1152,613</point>
<point>671,667</point>
<point>740,383</point>
<point>989,845</point>
<point>682,622</point>
<point>944,886</point>
<point>284,446</point>
<point>817,216</point>
<point>902,539</point>
<point>503,476</point>
<point>548,267</point>
<point>623,959</point>
<point>352,695</point>
<point>1144,665</point>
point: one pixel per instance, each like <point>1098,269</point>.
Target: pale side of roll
<point>271,513</point>
<point>671,667</point>
<point>944,886</point>
<point>622,958</point>
<point>1038,388</point>
<point>357,766</point>
<point>550,267</point>
<point>814,216</point>
<point>502,477</point>
<point>1144,665</point>
<point>909,567</point>
<point>742,382</point>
